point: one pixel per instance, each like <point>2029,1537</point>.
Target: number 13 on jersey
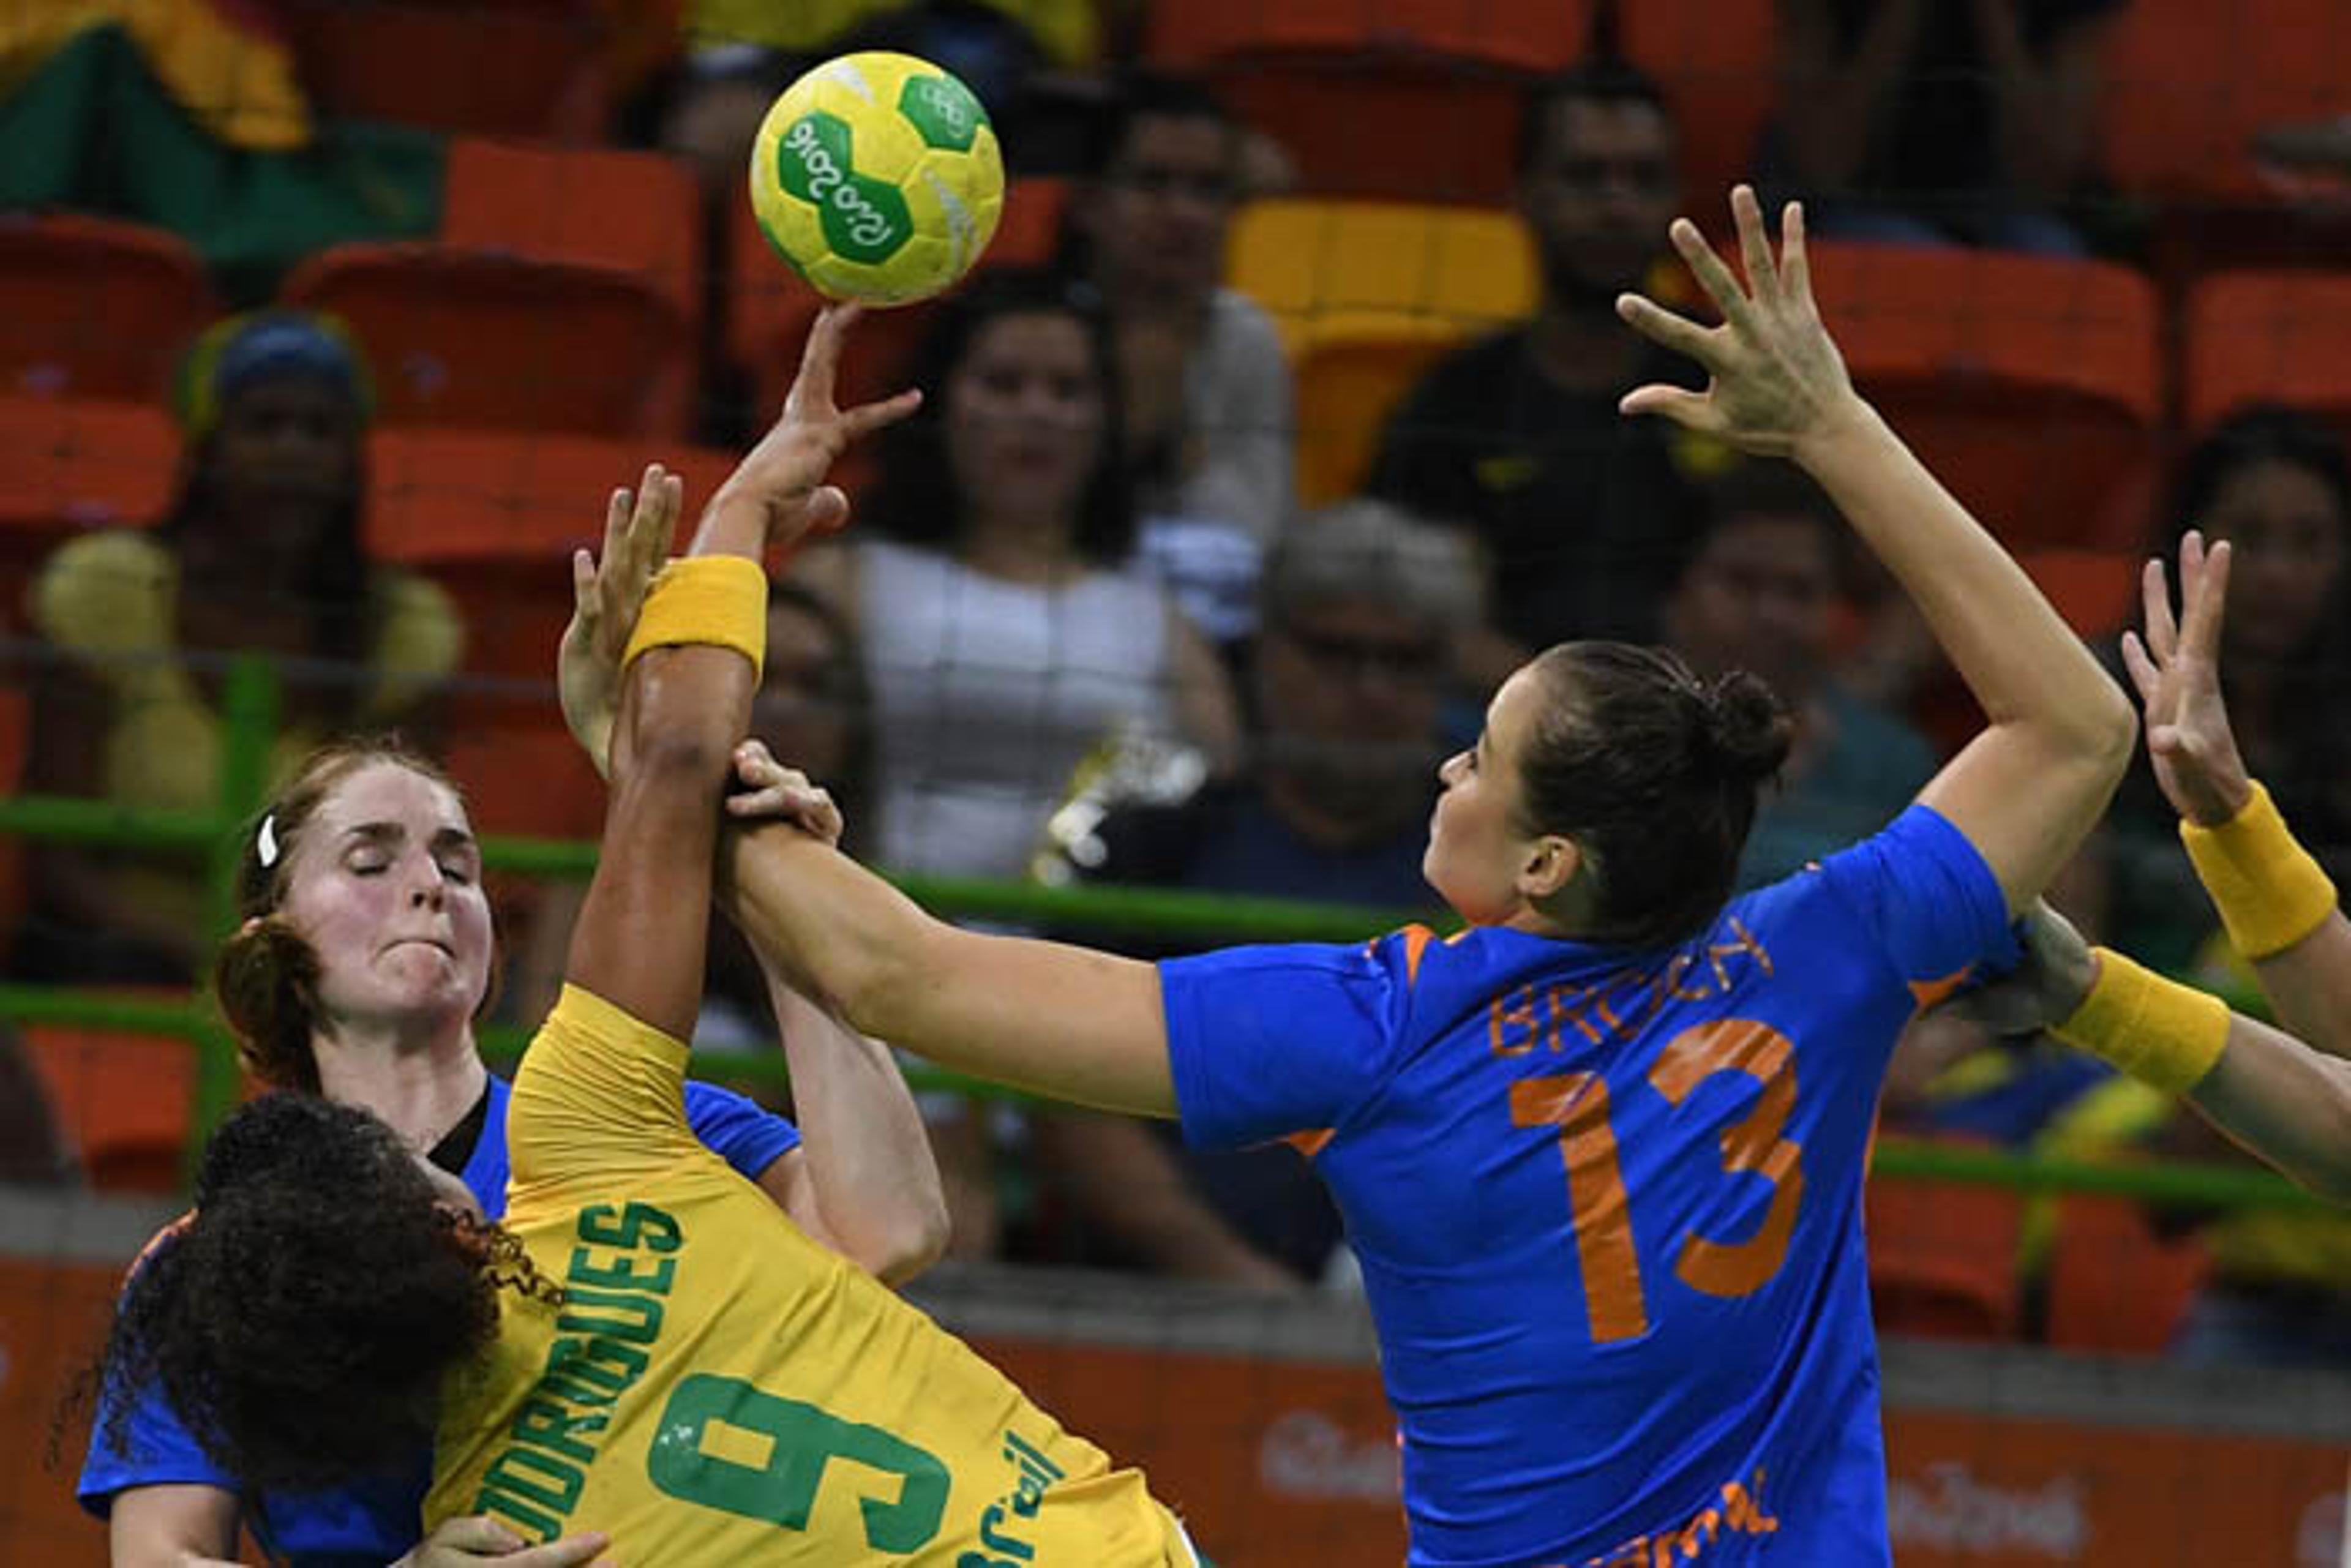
<point>1577,1104</point>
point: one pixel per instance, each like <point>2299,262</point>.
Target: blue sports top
<point>373,1523</point>
<point>1608,1200</point>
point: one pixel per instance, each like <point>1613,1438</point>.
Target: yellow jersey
<point>714,1388</point>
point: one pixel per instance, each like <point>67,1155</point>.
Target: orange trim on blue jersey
<point>1928,993</point>
<point>1312,1144</point>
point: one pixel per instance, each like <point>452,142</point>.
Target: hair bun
<point>1747,728</point>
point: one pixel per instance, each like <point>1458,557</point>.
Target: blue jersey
<point>1608,1200</point>
<point>374,1523</point>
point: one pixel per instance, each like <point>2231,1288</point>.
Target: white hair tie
<point>265,843</point>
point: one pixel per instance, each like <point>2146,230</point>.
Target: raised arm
<point>685,698</point>
<point>2030,786</point>
<point>2280,908</point>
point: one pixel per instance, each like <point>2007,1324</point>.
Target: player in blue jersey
<point>369,844</point>
<point>1600,1153</point>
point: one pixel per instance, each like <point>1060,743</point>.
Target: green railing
<point>250,701</point>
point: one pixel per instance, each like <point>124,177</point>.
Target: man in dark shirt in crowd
<point>1581,512</point>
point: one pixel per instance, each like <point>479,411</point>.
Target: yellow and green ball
<point>877,177</point>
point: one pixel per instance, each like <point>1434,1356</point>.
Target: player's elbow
<point>909,1239</point>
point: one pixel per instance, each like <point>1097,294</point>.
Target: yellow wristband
<point>2159,1031</point>
<point>715,601</point>
<point>2270,891</point>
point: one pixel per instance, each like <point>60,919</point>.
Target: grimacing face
<point>386,884</point>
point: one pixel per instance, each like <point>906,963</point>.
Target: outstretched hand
<point>1775,375</point>
<point>2177,669</point>
<point>607,592</point>
<point>784,473</point>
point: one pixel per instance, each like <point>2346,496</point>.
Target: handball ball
<point>877,177</point>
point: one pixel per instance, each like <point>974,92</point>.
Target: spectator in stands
<point>1583,514</point>
<point>2274,482</point>
<point>34,1149</point>
<point>1349,677</point>
<point>1207,394</point>
<point>1939,124</point>
<point>1006,633</point>
<point>263,553</point>
<point>1760,594</point>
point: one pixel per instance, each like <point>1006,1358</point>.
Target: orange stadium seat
<point>2031,384</point>
<point>95,308</point>
<point>2267,337</point>
<point>495,516</point>
<point>1942,1258</point>
<point>1717,61</point>
<point>637,212</point>
<point>1367,294</point>
<point>125,1098</point>
<point>73,463</point>
<point>2187,84</point>
<point>522,774</point>
<point>1416,100</point>
<point>2114,1285</point>
<point>480,337</point>
<point>497,67</point>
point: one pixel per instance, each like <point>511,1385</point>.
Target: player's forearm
<point>2309,986</point>
<point>2285,1103</point>
<point>829,925</point>
<point>2282,912</point>
<point>869,1157</point>
<point>2024,664</point>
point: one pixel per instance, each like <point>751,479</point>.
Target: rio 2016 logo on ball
<point>877,176</point>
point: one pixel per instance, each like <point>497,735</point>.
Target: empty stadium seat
<point>498,67</point>
<point>1717,61</point>
<point>95,308</point>
<point>2267,337</point>
<point>2114,1285</point>
<point>75,464</point>
<point>1366,295</point>
<point>126,1100</point>
<point>2187,84</point>
<point>522,773</point>
<point>480,338</point>
<point>2030,384</point>
<point>494,516</point>
<point>1534,35</point>
<point>1942,1258</point>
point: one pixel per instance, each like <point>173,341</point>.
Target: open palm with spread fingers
<point>2177,669</point>
<point>1776,377</point>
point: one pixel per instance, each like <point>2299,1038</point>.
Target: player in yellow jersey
<point>646,1347</point>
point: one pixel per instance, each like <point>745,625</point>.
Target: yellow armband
<point>2166,1035</point>
<point>714,601</point>
<point>2270,891</point>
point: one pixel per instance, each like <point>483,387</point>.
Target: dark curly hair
<point>302,1318</point>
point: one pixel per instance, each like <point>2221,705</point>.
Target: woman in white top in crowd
<point>1007,632</point>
